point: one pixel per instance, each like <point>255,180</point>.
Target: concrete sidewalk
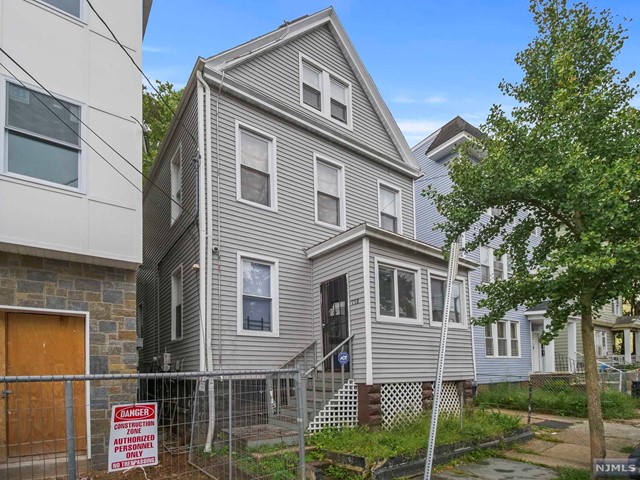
<point>568,446</point>
<point>496,469</point>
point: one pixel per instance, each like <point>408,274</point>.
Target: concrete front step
<point>266,434</point>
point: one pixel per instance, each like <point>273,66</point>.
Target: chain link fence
<point>222,425</point>
<point>562,394</point>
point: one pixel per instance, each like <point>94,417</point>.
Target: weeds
<point>409,439</point>
<point>570,473</point>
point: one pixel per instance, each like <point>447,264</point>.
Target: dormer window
<point>325,93</point>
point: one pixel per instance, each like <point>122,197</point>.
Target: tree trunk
<point>594,408</point>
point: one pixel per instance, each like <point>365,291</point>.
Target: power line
<point>168,195</point>
<point>124,49</point>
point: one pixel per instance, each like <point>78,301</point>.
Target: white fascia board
<point>445,148</point>
<point>244,92</point>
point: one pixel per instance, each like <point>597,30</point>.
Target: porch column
<point>627,346</point>
<point>636,336</point>
<point>549,360</point>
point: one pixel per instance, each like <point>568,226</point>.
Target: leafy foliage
<point>157,115</point>
<point>410,438</point>
<point>567,160</point>
<point>558,399</point>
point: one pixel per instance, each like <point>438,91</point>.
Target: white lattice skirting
<point>341,411</point>
<point>450,399</point>
<point>400,402</point>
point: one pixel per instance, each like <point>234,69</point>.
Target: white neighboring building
<point>70,223</point>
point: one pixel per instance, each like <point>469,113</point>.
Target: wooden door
<point>43,345</point>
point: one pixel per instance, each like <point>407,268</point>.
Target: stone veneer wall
<point>109,295</point>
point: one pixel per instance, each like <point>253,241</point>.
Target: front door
<point>335,319</point>
<point>535,351</point>
<point>35,412</point>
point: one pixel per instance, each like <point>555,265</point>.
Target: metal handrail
<point>300,353</point>
<point>327,356</point>
<point>620,372</point>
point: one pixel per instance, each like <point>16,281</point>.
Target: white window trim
<point>503,260</point>
<point>176,210</point>
<point>341,189</point>
<point>388,186</point>
<point>440,275</point>
<point>325,92</point>
<point>616,306</point>
<point>81,20</point>
<point>494,336</point>
<point>602,334</point>
<point>4,163</point>
<point>174,337</point>
<point>387,262</point>
<point>273,177</point>
<point>275,295</point>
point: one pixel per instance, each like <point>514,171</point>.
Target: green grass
<point>630,449</point>
<point>411,437</point>
<point>556,397</point>
<point>569,473</point>
<point>278,467</point>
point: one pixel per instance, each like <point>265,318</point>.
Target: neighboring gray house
<point>502,350</point>
<point>292,228</point>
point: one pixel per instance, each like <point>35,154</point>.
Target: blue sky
<point>431,59</point>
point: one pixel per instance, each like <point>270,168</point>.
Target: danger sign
<point>134,436</point>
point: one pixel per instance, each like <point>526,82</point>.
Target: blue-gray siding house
<point>501,351</point>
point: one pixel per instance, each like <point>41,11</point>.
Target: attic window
<point>325,92</point>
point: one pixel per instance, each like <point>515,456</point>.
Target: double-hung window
<point>438,288</point>
<point>176,185</point>
<point>493,267</point>
<point>502,339</point>
<point>330,203</point>
<point>398,292</point>
<point>176,304</point>
<point>488,340</point>
<point>601,343</point>
<point>257,295</point>
<point>325,92</point>
<point>255,152</point>
<point>43,137</point>
<point>389,205</point>
<point>616,307</point>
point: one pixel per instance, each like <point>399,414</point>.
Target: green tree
<point>566,160</point>
<point>157,113</point>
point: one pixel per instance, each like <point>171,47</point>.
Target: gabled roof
<point>448,137</point>
<point>296,28</point>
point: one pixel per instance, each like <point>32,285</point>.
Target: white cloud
<point>404,98</point>
<point>152,49</point>
<point>416,130</point>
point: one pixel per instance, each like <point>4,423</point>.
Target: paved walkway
<point>569,446</point>
<point>497,469</point>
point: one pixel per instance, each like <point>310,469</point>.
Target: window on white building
<point>330,207</point>
<point>72,7</point>
<point>398,290</point>
<point>257,295</point>
<point>43,137</point>
<point>325,92</point>
<point>438,290</point>
<point>176,185</point>
<point>389,205</point>
<point>601,343</point>
<point>255,161</point>
<point>616,307</point>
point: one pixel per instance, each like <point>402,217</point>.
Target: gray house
<point>502,351</point>
<point>291,233</point>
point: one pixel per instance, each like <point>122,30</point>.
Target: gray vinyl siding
<point>276,73</point>
<point>409,353</point>
<point>347,260</point>
<point>561,343</point>
<point>427,217</point>
<point>283,234</point>
<point>165,247</point>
